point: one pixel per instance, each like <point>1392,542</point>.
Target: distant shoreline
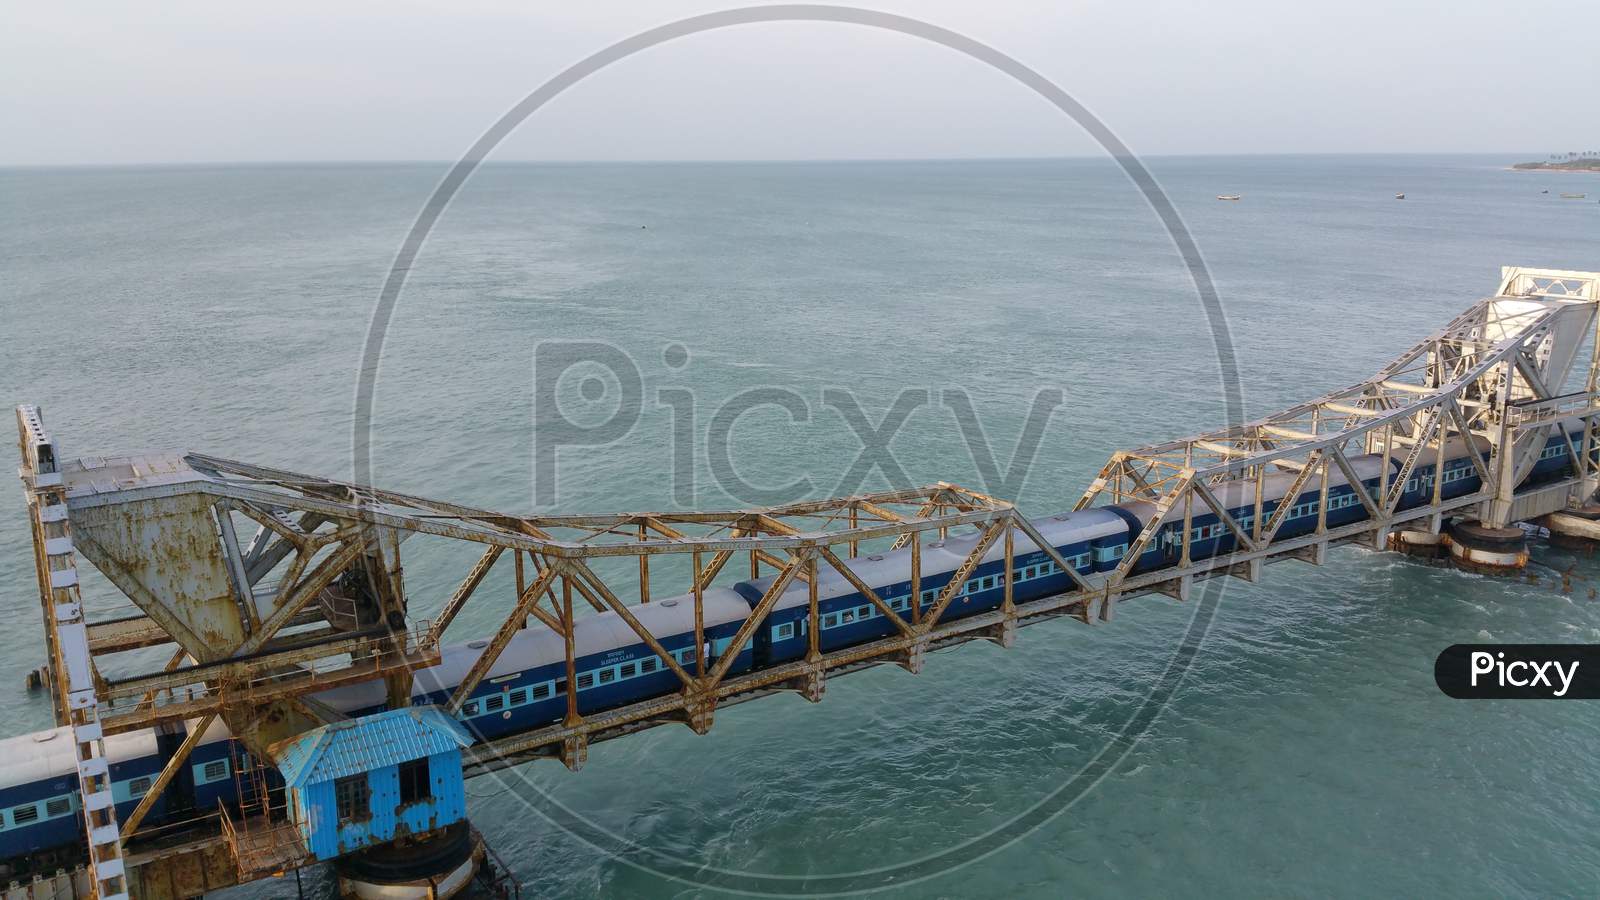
<point>1591,166</point>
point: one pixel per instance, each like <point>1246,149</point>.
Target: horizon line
<point>245,163</point>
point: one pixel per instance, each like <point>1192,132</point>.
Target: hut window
<point>415,781</point>
<point>351,796</point>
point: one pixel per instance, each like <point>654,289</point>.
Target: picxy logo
<point>1519,671</point>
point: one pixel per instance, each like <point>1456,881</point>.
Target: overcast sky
<point>102,82</point>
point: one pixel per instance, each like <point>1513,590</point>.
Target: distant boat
<point>1399,196</point>
<point>1227,196</point>
<point>1573,196</point>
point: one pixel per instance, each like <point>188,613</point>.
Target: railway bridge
<point>240,606</point>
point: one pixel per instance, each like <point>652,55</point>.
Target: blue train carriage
<point>41,825</point>
<point>526,686</point>
<point>1459,476</point>
<point>1556,460</point>
<point>847,618</point>
<point>1209,536</point>
<point>210,767</point>
<point>38,800</point>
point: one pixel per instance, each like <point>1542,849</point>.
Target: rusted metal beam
<point>757,615</point>
<point>583,572</point>
<point>959,578</point>
<point>243,670</point>
<point>289,685</point>
<point>866,590</point>
<point>168,772</point>
<point>458,597</point>
<point>502,637</point>
<point>297,596</point>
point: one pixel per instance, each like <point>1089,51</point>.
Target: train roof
<point>39,756</point>
<point>48,754</point>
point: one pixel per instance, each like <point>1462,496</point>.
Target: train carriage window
<point>585,681</point>
<point>138,787</point>
<point>352,797</point>
<point>539,691</point>
<point>608,675</point>
<point>847,616</point>
<point>216,770</point>
<point>561,685</point>
<point>646,666</point>
<point>494,703</point>
<point>469,710</point>
<point>57,806</point>
<point>868,611</point>
<point>21,815</point>
<point>627,670</point>
<point>519,696</point>
<point>785,631</point>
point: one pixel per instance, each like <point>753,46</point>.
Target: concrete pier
<point>1489,551</point>
<point>1574,529</point>
<point>1421,544</point>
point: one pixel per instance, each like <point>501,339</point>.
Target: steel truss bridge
<point>266,586</point>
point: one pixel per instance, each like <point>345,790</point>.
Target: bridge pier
<point>1488,551</point>
<point>1420,544</point>
<point>1574,529</point>
<point>439,867</point>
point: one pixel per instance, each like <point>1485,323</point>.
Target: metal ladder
<point>76,703</point>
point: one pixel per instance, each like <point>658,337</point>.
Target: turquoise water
<point>1307,752</point>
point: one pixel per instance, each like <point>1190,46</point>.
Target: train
<point>526,688</point>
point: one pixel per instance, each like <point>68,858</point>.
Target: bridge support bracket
<point>575,751</point>
<point>1107,608</point>
<point>1004,634</point>
<point>914,657</point>
<point>1178,588</point>
<point>699,711</point>
<point>811,685</point>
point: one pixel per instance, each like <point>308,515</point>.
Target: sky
<point>94,82</point>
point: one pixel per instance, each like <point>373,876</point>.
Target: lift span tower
<point>263,696</point>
